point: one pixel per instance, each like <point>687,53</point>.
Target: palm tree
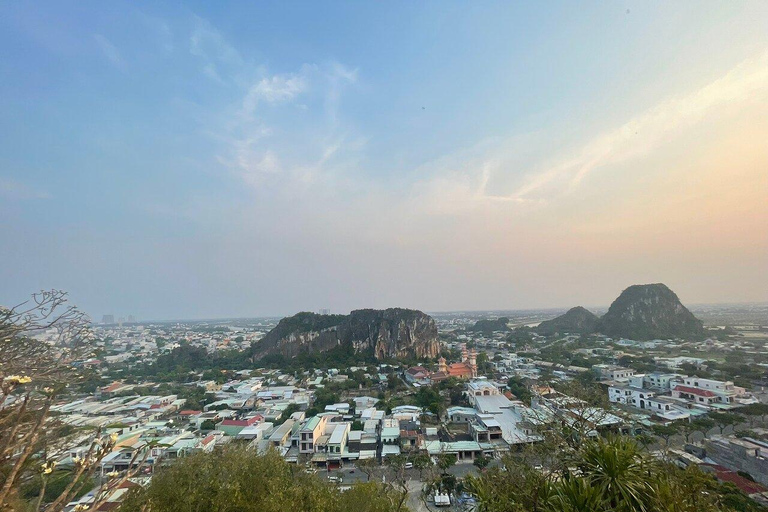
<point>576,495</point>
<point>620,471</point>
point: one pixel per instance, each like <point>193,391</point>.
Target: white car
<point>408,465</point>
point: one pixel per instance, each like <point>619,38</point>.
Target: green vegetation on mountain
<point>576,320</point>
<point>179,364</point>
<point>641,312</point>
<point>650,311</point>
<point>304,322</point>
<point>488,326</point>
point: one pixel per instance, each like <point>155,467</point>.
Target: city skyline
<point>208,161</point>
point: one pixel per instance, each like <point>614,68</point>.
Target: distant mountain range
<point>641,312</point>
<point>387,333</point>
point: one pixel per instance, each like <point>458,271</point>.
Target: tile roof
<point>695,391</point>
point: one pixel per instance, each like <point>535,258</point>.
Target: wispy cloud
<point>274,89</point>
<point>462,181</point>
<point>110,51</point>
<point>162,31</point>
<point>647,131</point>
<point>216,54</point>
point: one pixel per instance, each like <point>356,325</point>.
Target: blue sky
<point>183,160</point>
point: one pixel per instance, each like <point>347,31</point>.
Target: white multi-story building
<point>667,408</point>
<point>637,397</point>
<point>612,372</point>
<point>662,381</point>
<point>708,391</point>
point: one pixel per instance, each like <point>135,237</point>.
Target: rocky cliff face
<point>388,333</point>
<point>576,321</point>
<point>650,311</point>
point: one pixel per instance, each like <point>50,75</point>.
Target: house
<point>410,434</point>
<point>256,433</point>
<point>612,372</point>
<point>233,427</point>
<point>365,402</point>
<point>310,431</point>
<point>406,413</point>
<point>724,391</point>
<point>622,394</point>
<point>337,443</point>
<point>481,388</point>
<point>281,437</point>
<point>465,369</point>
<point>661,381</point>
<point>417,375</point>
<point>694,394</point>
<point>390,431</point>
<point>666,408</point>
<point>457,414</point>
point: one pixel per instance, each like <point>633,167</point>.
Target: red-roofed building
<point>466,369</point>
<point>209,442</point>
<point>698,395</point>
<point>724,474</point>
<point>417,374</point>
<point>233,427</point>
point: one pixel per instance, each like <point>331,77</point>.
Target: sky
<point>210,159</point>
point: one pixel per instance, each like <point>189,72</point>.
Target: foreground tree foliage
<point>613,474</point>
<point>237,479</point>
<point>34,372</point>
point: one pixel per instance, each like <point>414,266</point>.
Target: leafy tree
<point>207,425</point>
<point>605,475</point>
<point>33,375</point>
<point>481,462</point>
<point>687,428</point>
<point>367,466</point>
<point>445,461</point>
<point>53,485</point>
<point>754,410</point>
<point>237,479</point>
<point>422,462</point>
<point>288,411</point>
<point>724,419</point>
<point>518,388</point>
<point>665,431</point>
<point>703,425</point>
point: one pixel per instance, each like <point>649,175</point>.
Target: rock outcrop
<point>388,333</point>
<point>488,326</point>
<point>576,320</point>
<point>650,311</point>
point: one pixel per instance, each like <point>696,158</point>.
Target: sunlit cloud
<point>646,132</point>
<point>460,182</point>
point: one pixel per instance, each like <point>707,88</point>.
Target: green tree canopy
<point>239,480</point>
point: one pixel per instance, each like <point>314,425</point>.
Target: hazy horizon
<point>221,160</point>
<point>492,312</point>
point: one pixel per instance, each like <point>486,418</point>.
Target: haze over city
<point>203,160</point>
